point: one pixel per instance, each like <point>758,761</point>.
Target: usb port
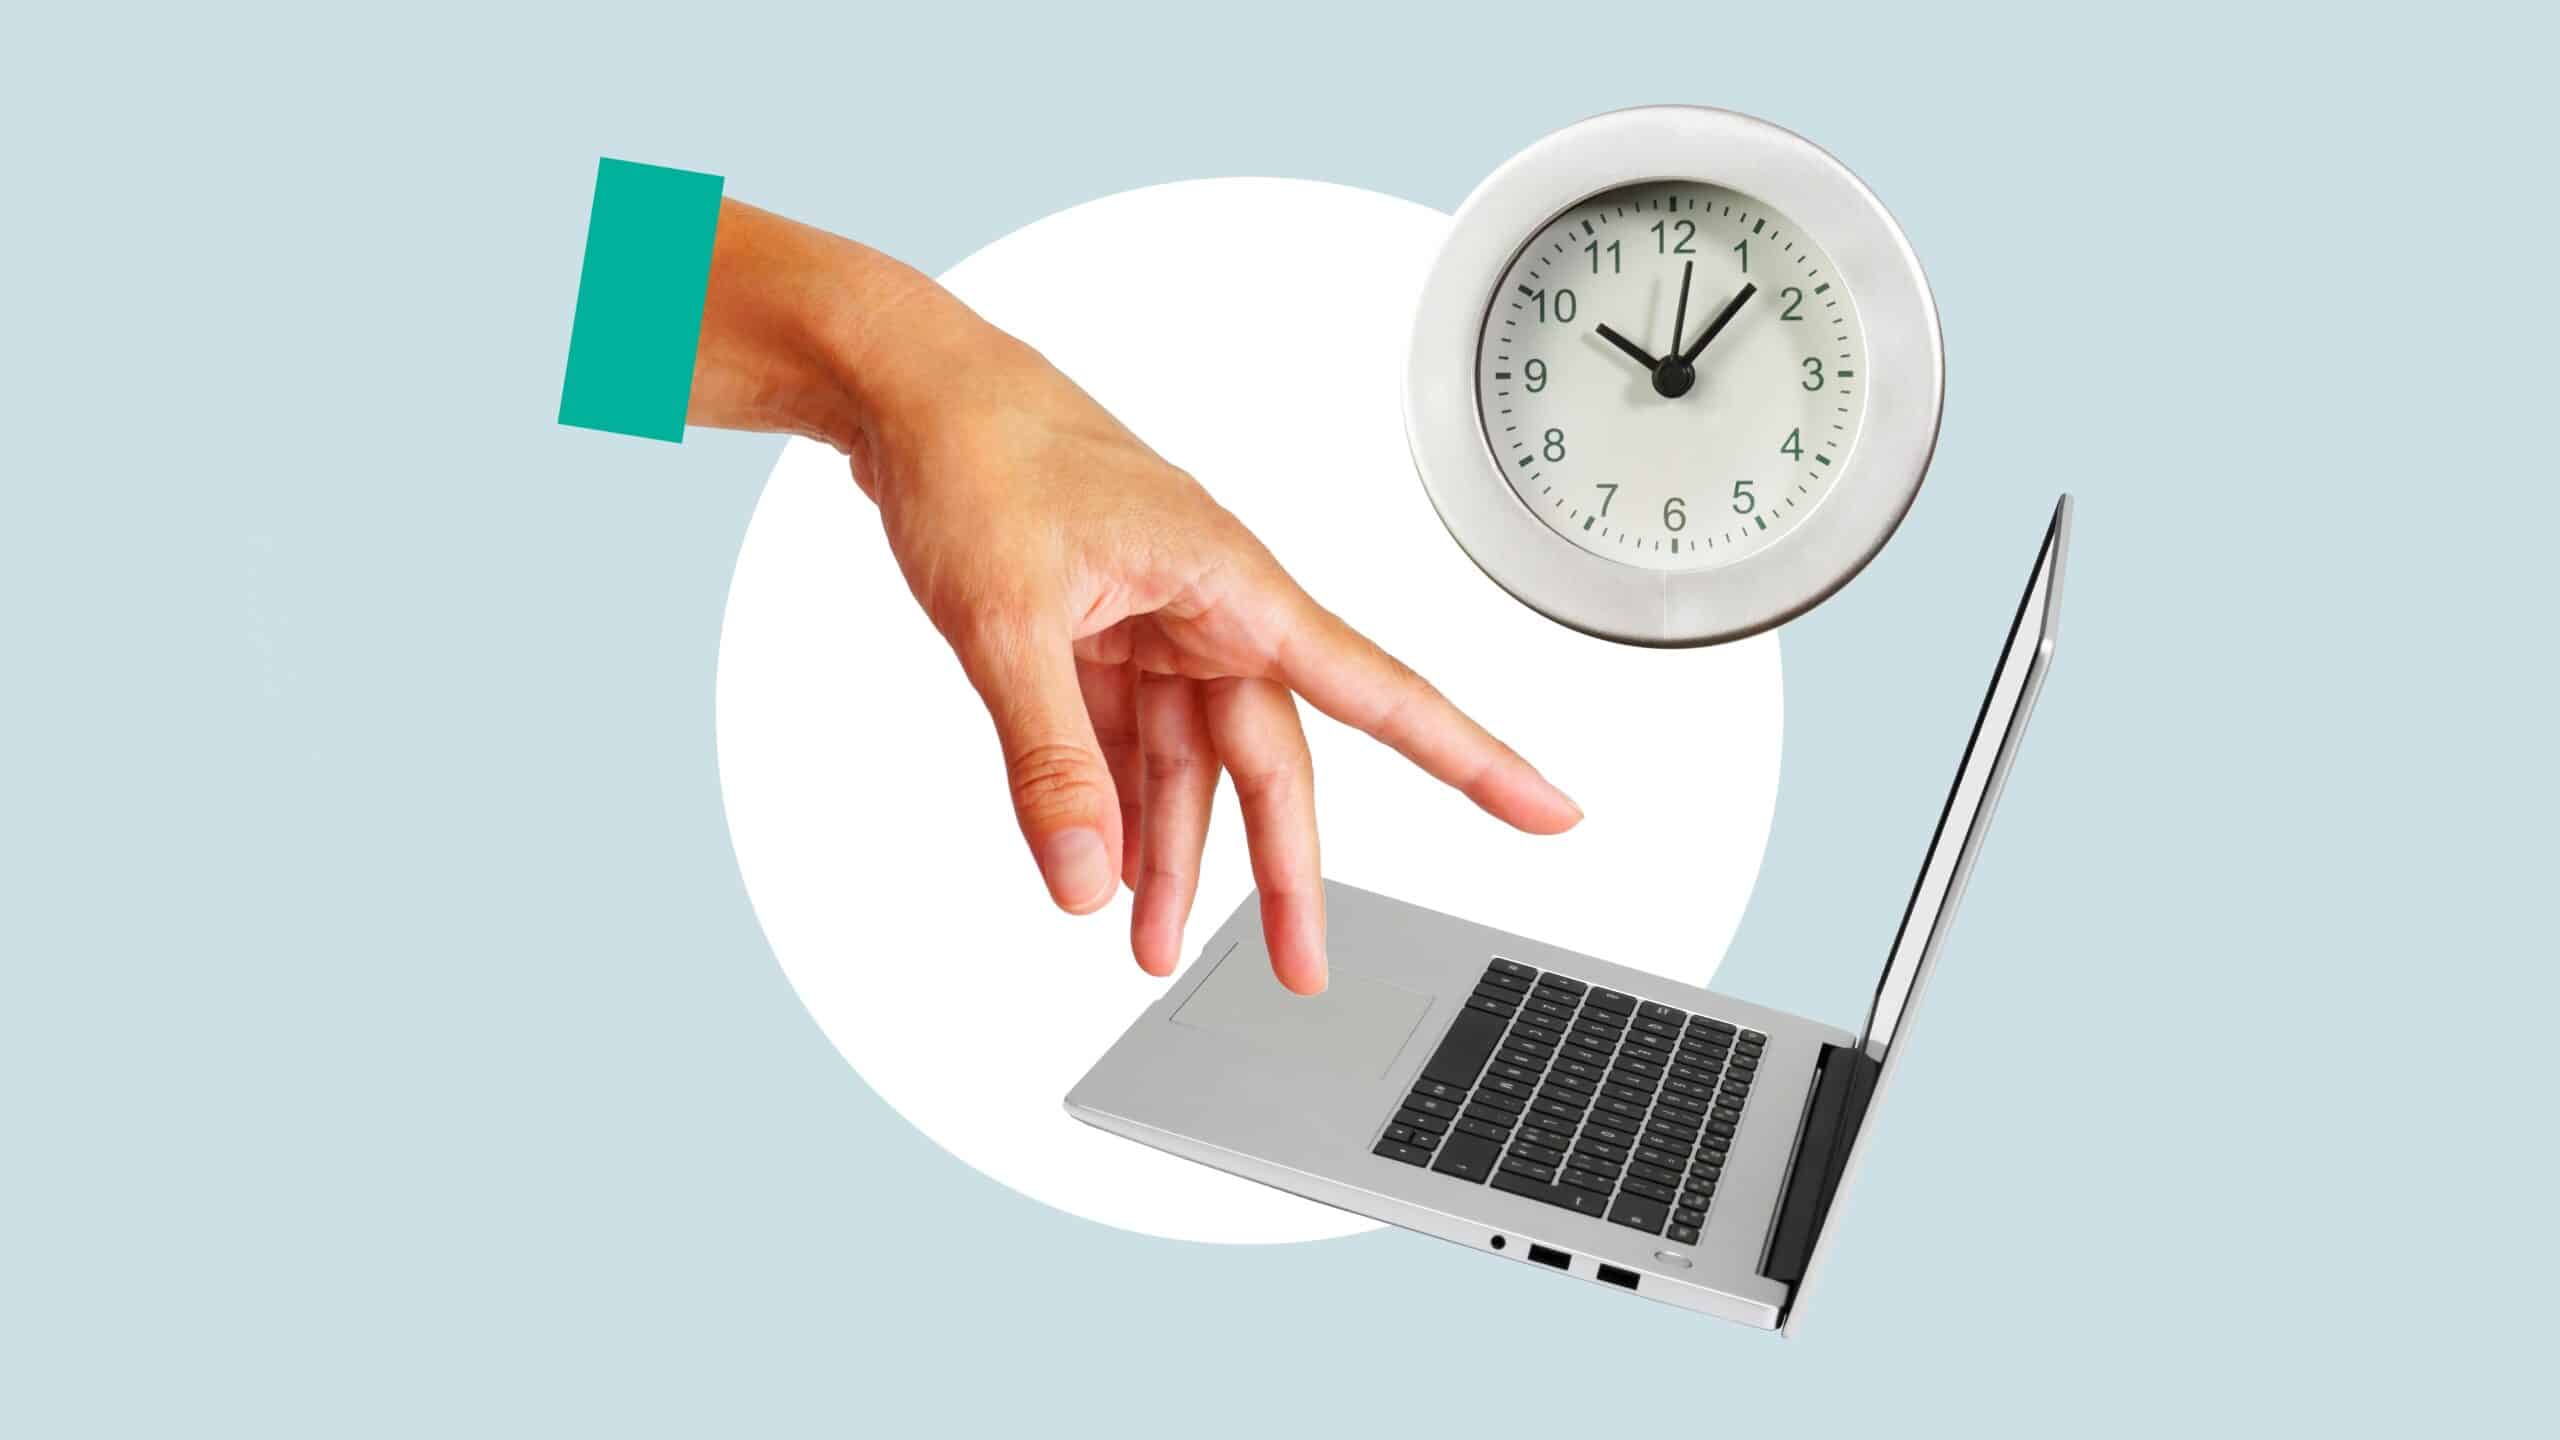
<point>1540,1254</point>
<point>1623,1279</point>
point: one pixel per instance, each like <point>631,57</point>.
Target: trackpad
<point>1356,1026</point>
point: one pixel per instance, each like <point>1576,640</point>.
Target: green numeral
<point>1593,250</point>
<point>1663,244</point>
<point>1794,444</point>
<point>1561,310</point>
<point>1555,445</point>
<point>1743,249</point>
<point>1814,380</point>
<point>1742,501</point>
<point>1536,370</point>
<point>1792,305</point>
<point>1605,500</point>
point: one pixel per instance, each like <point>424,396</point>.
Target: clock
<point>1675,376</point>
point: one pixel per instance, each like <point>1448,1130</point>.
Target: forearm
<point>795,325</point>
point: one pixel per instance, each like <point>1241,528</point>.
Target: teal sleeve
<point>640,298</point>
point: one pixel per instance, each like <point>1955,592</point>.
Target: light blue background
<point>387,1046</point>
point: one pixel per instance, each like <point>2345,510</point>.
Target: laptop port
<point>1623,1279</point>
<point>1540,1254</point>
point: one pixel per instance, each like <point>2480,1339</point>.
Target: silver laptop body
<point>1331,1097</point>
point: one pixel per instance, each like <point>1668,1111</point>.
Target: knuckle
<point>1052,781</point>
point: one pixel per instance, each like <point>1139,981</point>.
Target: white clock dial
<point>1619,443</point>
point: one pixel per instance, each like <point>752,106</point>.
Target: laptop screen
<point>1977,788</point>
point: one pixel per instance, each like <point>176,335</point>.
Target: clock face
<point>1659,435</point>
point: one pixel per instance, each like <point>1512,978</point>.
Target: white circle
<point>865,795</point>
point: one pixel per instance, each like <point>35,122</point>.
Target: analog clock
<point>1675,376</point>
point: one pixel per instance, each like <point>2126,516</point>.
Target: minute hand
<point>1716,326</point>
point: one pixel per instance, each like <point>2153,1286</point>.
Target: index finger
<point>1344,674</point>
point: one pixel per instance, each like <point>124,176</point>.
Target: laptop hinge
<point>1844,1081</point>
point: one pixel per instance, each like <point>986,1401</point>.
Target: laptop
<point>1549,1108</point>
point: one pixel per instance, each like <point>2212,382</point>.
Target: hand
<point>1680,314</point>
<point>1716,326</point>
<point>1130,639</point>
<point>1634,351</point>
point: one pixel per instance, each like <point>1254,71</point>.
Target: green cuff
<point>640,300</point>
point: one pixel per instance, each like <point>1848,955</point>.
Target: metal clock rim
<point>1880,475</point>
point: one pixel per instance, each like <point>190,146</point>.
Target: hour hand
<point>1634,351</point>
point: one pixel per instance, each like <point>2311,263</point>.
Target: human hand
<point>1130,639</point>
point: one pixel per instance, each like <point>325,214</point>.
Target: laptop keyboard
<point>1583,1098</point>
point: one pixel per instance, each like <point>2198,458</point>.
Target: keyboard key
<point>1628,1093</point>
<point>1401,1134</point>
<point>1556,1110</point>
<point>1653,1190</point>
<point>1513,983</point>
<point>1438,1091</point>
<point>1574,1083</point>
<point>1682,1234</point>
<point>1464,1049</point>
<point>1467,1158</point>
<point>1468,1124</point>
<point>1755,1037</point>
<point>1600,1186</point>
<point>1695,1074</point>
<point>1585,1055</point>
<point>1609,1135</point>
<point>1429,1106</point>
<point>1405,1153</point>
<point>1718,1127</point>
<point>1495,1100</point>
<point>1538,1154</point>
<point>1620,1109</point>
<point>1500,1086</point>
<point>1712,1027</point>
<point>1535,1134</point>
<point>1656,1027</point>
<point>1689,1106</point>
<point>1608,1155</point>
<point>1515,1165</point>
<point>1502,1000</point>
<point>1565,983</point>
<point>1521,1058</point>
<point>1416,1119</point>
<point>1501,1120</point>
<point>1668,1179</point>
<point>1717,1143</point>
<point>1561,1014</point>
<point>1483,1006</point>
<point>1664,1159</point>
<point>1651,1011</point>
<point>1746,1065</point>
<point>1610,1000</point>
<point>1688,1217</point>
<point>1502,1069</point>
<point>1513,967</point>
<point>1569,1197</point>
<point>1637,1213</point>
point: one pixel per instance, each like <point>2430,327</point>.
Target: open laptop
<point>1548,1107</point>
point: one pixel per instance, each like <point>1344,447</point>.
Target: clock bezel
<point>1879,475</point>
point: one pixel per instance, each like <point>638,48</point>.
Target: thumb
<point>1062,790</point>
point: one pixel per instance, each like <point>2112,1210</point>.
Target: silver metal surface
<point>1298,1107</point>
<point>1906,377</point>
<point>2015,682</point>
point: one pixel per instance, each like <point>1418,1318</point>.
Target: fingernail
<point>1078,869</point>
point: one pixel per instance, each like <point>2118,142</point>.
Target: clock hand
<point>1634,351</point>
<point>1716,326</point>
<point>1680,317</point>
